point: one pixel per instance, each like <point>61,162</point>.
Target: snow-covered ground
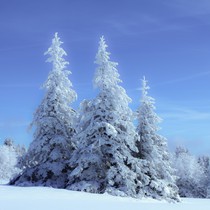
<point>41,198</point>
<point>2,181</point>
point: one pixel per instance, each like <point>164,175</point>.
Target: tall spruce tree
<point>46,159</point>
<point>106,138</point>
<point>153,149</point>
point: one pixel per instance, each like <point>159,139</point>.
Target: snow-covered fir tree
<point>106,138</point>
<point>51,148</point>
<point>191,176</point>
<point>153,149</point>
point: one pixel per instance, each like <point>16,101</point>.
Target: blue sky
<point>167,41</point>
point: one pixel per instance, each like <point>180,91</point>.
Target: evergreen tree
<point>46,159</point>
<point>106,137</point>
<point>153,149</point>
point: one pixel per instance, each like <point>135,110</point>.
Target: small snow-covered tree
<point>8,161</point>
<point>208,182</point>
<point>46,159</point>
<point>191,178</point>
<point>153,149</point>
<point>204,162</point>
<point>106,138</point>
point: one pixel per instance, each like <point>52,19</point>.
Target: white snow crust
<point>44,198</point>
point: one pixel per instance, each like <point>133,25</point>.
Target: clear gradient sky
<point>167,41</point>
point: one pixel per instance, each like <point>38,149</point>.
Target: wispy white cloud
<point>183,79</point>
<point>137,23</point>
<point>185,115</point>
<point>184,15</point>
<point>186,126</point>
<point>189,7</point>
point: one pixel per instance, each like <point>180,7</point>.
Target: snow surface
<point>4,181</point>
<point>43,198</point>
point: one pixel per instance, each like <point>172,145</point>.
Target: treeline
<point>98,148</point>
<point>192,173</point>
